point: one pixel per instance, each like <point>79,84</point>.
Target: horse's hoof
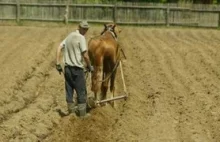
<point>91,102</point>
<point>112,103</point>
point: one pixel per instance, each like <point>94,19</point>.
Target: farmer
<point>75,53</point>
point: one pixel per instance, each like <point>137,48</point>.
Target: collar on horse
<point>111,30</point>
<point>112,33</point>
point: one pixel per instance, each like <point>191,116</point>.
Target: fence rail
<point>122,13</point>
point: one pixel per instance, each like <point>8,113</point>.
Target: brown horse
<point>104,54</point>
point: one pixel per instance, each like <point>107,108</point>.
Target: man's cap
<point>84,24</point>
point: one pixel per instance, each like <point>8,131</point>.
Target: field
<point>172,77</point>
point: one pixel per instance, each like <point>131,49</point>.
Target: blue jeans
<point>75,80</point>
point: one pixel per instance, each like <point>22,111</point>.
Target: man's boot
<point>82,111</point>
<point>71,108</point>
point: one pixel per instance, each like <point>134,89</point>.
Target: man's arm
<point>84,52</point>
<point>87,60</point>
<point>58,58</point>
<point>58,55</point>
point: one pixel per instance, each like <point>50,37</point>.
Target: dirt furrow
<point>157,81</point>
<point>206,60</point>
<point>7,37</point>
<point>138,95</point>
<point>176,81</point>
<point>25,85</point>
<point>29,95</point>
<point>199,91</point>
<point>172,80</point>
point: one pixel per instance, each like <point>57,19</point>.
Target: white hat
<point>84,24</point>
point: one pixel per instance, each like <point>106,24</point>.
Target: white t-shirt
<point>74,44</point>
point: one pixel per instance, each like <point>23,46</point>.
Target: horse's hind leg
<point>96,82</point>
<point>103,91</point>
<point>112,82</point>
<point>104,88</point>
<point>106,78</point>
<point>112,86</point>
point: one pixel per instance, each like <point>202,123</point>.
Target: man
<point>75,53</point>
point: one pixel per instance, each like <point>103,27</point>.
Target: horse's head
<point>113,28</point>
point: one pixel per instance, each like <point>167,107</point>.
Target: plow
<point>92,103</point>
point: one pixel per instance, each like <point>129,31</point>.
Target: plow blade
<point>92,103</point>
<point>112,99</point>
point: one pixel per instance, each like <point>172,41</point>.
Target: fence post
<point>218,19</point>
<point>115,13</point>
<point>66,15</point>
<point>18,11</point>
<point>167,15</point>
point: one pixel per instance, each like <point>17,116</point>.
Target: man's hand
<point>90,68</point>
<point>59,68</point>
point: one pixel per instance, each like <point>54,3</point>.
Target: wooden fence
<point>121,13</point>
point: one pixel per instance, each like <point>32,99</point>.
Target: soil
<point>172,78</point>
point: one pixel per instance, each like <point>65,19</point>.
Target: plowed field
<point>172,77</point>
